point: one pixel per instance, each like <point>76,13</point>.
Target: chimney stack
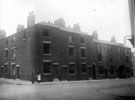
<point>60,22</point>
<point>30,20</point>
<point>20,28</point>
<point>76,27</point>
<point>95,35</point>
<point>2,34</point>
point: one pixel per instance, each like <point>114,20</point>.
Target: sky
<point>108,17</point>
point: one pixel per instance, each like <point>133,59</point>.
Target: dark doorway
<point>94,71</point>
<point>122,73</point>
<point>64,75</point>
<point>106,73</point>
<point>56,73</point>
<point>90,72</point>
<point>17,73</point>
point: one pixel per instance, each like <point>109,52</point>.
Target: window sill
<point>46,37</point>
<point>47,54</point>
<point>24,39</point>
<point>71,74</point>
<point>84,73</point>
<point>47,74</point>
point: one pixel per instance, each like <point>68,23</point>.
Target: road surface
<point>86,90</point>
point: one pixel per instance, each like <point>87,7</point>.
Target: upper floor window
<point>110,48</point>
<point>6,53</point>
<point>99,47</point>
<point>82,40</point>
<point>46,66</point>
<point>83,50</point>
<point>46,47</point>
<point>127,59</point>
<point>119,49</point>
<point>111,57</point>
<point>70,39</point>
<point>13,40</point>
<point>24,35</point>
<point>13,52</point>
<point>6,42</point>
<point>46,33</point>
<point>100,57</point>
<point>71,51</point>
<point>71,68</point>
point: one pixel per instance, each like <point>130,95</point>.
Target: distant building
<point>58,52</point>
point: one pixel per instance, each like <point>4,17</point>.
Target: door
<point>106,73</point>
<point>56,72</point>
<point>17,72</point>
<point>94,71</point>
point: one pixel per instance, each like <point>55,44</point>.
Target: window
<point>120,58</point>
<point>71,51</point>
<point>82,52</point>
<point>128,70</point>
<point>119,50</point>
<point>13,69</point>
<point>83,68</point>
<point>6,41</point>
<point>24,35</point>
<point>70,39</point>
<point>6,53</point>
<point>111,57</point>
<point>46,66</point>
<point>81,39</point>
<point>13,52</point>
<point>99,57</point>
<point>46,33</point>
<point>71,68</point>
<point>100,69</point>
<point>99,47</point>
<point>6,68</point>
<point>110,48</point>
<point>46,48</point>
<point>127,59</point>
<point>112,69</point>
<point>13,40</point>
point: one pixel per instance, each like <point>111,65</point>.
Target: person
<point>32,77</point>
<point>38,77</point>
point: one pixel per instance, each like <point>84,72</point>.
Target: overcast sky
<point>108,17</point>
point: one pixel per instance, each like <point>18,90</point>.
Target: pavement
<point>25,82</point>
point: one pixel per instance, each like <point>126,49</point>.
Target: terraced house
<point>61,53</point>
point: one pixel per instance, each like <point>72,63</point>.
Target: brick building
<point>58,52</point>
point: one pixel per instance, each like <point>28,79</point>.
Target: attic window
<point>46,33</point>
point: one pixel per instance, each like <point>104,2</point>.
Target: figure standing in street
<point>38,77</point>
<point>32,77</point>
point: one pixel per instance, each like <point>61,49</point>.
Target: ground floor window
<point>83,68</point>
<point>100,69</point>
<point>6,69</point>
<point>128,70</point>
<point>46,67</point>
<point>13,69</point>
<point>71,68</point>
<point>112,70</point>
